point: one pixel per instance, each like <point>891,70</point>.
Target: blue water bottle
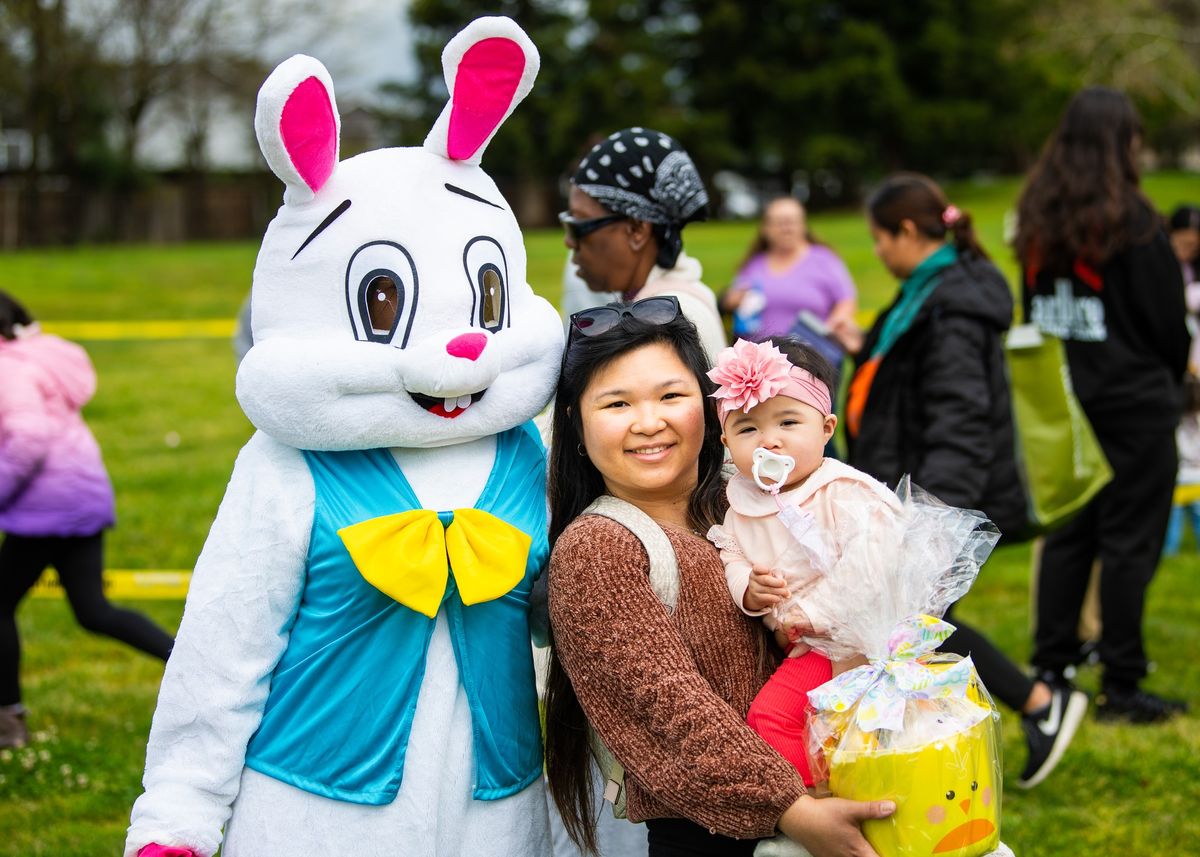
<point>747,318</point>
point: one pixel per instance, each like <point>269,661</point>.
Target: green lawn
<point>1120,790</point>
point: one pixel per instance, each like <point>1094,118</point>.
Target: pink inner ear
<point>484,86</point>
<point>309,132</point>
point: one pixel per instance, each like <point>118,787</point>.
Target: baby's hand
<point>764,589</point>
<point>797,623</point>
<point>789,645</point>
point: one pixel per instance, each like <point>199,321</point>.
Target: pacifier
<point>770,470</point>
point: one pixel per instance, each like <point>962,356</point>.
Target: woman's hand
<point>832,827</point>
<point>847,333</point>
<point>731,299</point>
<point>764,589</point>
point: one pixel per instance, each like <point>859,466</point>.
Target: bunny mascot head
<point>390,305</point>
<point>353,672</point>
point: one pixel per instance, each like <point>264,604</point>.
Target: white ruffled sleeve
<point>737,567</point>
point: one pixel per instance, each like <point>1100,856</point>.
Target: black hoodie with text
<point>1123,326</point>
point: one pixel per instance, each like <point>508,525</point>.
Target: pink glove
<point>156,850</point>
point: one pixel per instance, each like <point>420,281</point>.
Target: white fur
<point>452,54</point>
<point>312,381</point>
<point>272,97</point>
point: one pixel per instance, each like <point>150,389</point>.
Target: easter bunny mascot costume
<point>353,674</point>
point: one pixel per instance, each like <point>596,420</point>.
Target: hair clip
<point>951,215</point>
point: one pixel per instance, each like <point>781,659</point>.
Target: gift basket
<point>912,725</point>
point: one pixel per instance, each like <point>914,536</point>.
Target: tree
<point>1147,48</point>
<point>603,67</point>
<point>847,88</point>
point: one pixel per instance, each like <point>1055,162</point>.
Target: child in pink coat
<point>798,568</point>
<point>55,498</point>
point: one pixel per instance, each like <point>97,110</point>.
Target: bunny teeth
<point>456,403</point>
<point>448,407</point>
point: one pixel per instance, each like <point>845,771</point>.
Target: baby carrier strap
<point>664,567</point>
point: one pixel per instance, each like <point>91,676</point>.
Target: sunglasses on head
<point>579,229</point>
<point>597,320</point>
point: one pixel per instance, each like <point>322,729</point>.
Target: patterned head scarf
<point>646,175</point>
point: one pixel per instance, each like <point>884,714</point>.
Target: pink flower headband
<point>749,373</point>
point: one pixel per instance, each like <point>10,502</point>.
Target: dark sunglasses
<point>660,309</point>
<point>579,229</point>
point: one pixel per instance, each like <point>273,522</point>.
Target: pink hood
<point>52,479</point>
<point>65,364</point>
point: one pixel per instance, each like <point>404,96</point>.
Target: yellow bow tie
<point>409,556</point>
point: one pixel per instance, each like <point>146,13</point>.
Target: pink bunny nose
<point>469,345</point>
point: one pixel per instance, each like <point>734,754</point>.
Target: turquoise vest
<point>339,713</point>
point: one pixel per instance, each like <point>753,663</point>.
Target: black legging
<point>1000,676</point>
<point>79,561</point>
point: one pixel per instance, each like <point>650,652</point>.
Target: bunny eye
<point>487,270</point>
<point>380,303</point>
<point>491,286</point>
<point>383,304</point>
<point>381,293</point>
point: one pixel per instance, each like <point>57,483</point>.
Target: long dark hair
<point>12,314</point>
<point>1082,200</point>
<point>912,196</point>
<point>574,482</point>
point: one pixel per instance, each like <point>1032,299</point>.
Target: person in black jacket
<point>930,398</point>
<point>1099,274</point>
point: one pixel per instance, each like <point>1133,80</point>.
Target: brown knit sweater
<point>668,694</point>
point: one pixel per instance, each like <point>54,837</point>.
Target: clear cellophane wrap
<point>913,725</point>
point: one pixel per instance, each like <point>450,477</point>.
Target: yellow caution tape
<point>1186,494</point>
<point>201,328</point>
<point>120,583</point>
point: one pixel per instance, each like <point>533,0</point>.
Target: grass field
<point>170,429</point>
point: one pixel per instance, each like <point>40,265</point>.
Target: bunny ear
<point>297,126</point>
<point>489,69</point>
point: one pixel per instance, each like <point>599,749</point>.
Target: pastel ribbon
<point>881,688</point>
<point>409,556</point>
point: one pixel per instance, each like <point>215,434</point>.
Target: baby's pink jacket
<point>752,534</point>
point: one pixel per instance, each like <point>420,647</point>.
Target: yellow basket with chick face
<point>941,766</point>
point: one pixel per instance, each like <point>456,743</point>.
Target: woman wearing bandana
<point>630,198</point>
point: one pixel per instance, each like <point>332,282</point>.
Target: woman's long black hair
<point>574,482</point>
<point>1082,200</point>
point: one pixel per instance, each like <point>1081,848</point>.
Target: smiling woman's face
<point>643,425</point>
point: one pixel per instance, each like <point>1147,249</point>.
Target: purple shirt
<point>815,283</point>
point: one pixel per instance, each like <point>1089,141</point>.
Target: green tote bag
<point>1061,462</point>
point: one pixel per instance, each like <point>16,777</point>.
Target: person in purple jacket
<point>55,499</point>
